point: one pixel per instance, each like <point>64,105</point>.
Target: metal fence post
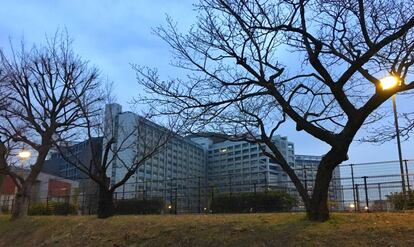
<point>199,195</point>
<point>306,179</point>
<point>353,186</point>
<point>175,201</point>
<point>254,186</point>
<point>145,189</point>
<point>212,193</point>
<point>380,195</point>
<point>67,204</point>
<point>366,193</point>
<point>230,189</point>
<point>406,174</point>
<point>171,198</point>
<point>357,196</point>
<point>89,204</point>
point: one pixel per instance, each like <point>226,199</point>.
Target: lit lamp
<point>24,154</point>
<point>388,83</point>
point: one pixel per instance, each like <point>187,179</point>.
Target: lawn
<point>282,229</point>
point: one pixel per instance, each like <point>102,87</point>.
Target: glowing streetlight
<point>388,83</point>
<point>24,154</point>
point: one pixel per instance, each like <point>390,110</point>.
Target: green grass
<point>283,229</point>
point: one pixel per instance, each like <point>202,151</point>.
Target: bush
<point>39,209</point>
<point>138,206</point>
<point>397,200</point>
<point>52,208</point>
<point>60,208</point>
<point>253,202</point>
<point>5,209</point>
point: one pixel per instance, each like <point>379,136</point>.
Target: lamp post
<point>24,155</point>
<point>388,83</point>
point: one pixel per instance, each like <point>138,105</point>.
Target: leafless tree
<point>126,145</point>
<point>255,65</point>
<point>46,89</point>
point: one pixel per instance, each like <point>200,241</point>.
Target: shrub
<point>39,209</point>
<point>52,208</point>
<point>138,206</point>
<point>397,200</point>
<point>61,208</point>
<point>253,202</point>
<point>5,209</point>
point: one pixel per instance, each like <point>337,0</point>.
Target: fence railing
<point>360,187</point>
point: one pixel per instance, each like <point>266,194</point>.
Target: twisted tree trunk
<point>21,203</point>
<point>318,209</point>
<point>106,206</point>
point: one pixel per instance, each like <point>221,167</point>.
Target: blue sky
<point>114,34</point>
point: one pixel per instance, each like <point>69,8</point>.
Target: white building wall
<point>178,165</point>
<point>239,166</point>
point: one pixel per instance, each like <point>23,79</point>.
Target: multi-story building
<point>81,155</point>
<point>186,170</point>
<point>306,168</point>
<point>175,172</point>
<point>236,166</point>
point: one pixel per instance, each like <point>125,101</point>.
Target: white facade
<point>188,170</point>
<point>177,166</point>
<point>241,166</point>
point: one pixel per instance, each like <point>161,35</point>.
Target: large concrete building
<point>80,153</point>
<point>237,166</point>
<point>175,173</point>
<point>186,170</point>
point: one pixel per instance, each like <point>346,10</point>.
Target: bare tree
<point>126,145</point>
<point>46,89</point>
<point>255,65</point>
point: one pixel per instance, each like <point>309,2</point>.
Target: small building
<point>46,188</point>
<point>80,154</point>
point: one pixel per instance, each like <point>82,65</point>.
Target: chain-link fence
<point>360,187</point>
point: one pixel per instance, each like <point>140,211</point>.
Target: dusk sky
<point>114,34</point>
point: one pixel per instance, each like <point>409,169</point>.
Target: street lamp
<point>388,83</point>
<point>24,154</point>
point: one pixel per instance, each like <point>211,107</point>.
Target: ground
<point>279,229</point>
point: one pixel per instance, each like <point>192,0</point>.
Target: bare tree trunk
<point>106,207</point>
<point>21,202</point>
<point>318,209</point>
<point>1,179</point>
